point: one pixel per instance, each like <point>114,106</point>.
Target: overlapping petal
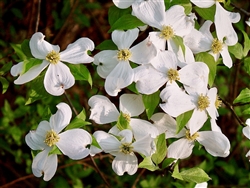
<point>180,149</point>
<point>124,39</point>
<point>131,104</point>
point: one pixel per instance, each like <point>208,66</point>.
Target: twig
<point>138,178</point>
<point>241,9</point>
<point>38,15</point>
<point>17,180</point>
<point>70,103</point>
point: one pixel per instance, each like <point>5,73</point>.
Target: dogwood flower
<point>203,40</point>
<point>122,4</point>
<point>72,142</point>
<point>248,22</point>
<point>223,20</point>
<point>58,76</point>
<point>246,132</point>
<point>123,149</point>
<point>164,68</point>
<point>172,22</point>
<point>215,143</point>
<point>113,65</point>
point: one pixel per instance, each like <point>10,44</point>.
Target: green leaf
<point>236,50</point>
<point>115,13</point>
<point>95,143</point>
<point>26,48</point>
<point>123,122</point>
<point>210,62</point>
<point>55,150</point>
<point>206,13</point>
<point>5,68</point>
<point>179,42</point>
<point>185,3</point>
<point>132,88</point>
<point>148,164</point>
<point>176,174</point>
<point>151,102</point>
<point>126,22</point>
<point>5,84</point>
<point>29,63</point>
<point>246,65</point>
<point>182,120</point>
<point>80,72</point>
<point>107,45</point>
<point>243,97</point>
<point>195,174</point>
<point>246,44</point>
<point>78,121</point>
<point>161,149</point>
<point>167,162</point>
<point>18,49</point>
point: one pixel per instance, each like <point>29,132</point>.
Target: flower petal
<point>61,118</point>
<point>227,60</point>
<point>102,110</point>
<point>77,52</point>
<point>124,39</point>
<point>58,78</point>
<point>180,149</point>
<point>246,131</point>
<point>120,77</point>
<point>143,145</point>
<point>73,143</point>
<point>203,4</point>
<point>122,4</point>
<point>31,74</point>
<point>131,104</point>
<point>126,136</point>
<point>197,120</point>
<point>39,47</point>
<point>16,69</point>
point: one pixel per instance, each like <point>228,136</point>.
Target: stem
<point>241,9</point>
<point>70,103</point>
<point>138,177</point>
<point>38,15</point>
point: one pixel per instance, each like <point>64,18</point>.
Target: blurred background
<point>63,22</point>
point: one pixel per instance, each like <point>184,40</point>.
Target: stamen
<point>216,46</point>
<point>123,55</point>
<point>126,148</point>
<point>191,137</point>
<point>203,102</point>
<point>218,102</point>
<point>53,57</point>
<point>167,32</point>
<point>173,75</point>
<point>51,138</point>
<point>127,117</point>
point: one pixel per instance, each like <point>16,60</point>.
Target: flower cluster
<point>166,65</point>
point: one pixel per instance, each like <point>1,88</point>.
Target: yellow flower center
<point>221,1</point>
<point>124,55</point>
<point>127,117</point>
<point>191,137</point>
<point>167,32</point>
<point>173,75</point>
<point>216,46</point>
<point>53,57</point>
<point>51,138</point>
<point>126,148</point>
<point>203,102</point>
<point>218,102</point>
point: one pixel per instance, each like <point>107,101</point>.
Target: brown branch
<point>70,103</point>
<point>138,178</point>
<point>241,9</point>
<point>17,180</point>
<point>38,15</point>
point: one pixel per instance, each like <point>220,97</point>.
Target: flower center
<point>167,32</point>
<point>127,117</point>
<point>51,138</point>
<point>173,75</point>
<point>126,148</point>
<point>221,1</point>
<point>218,102</point>
<point>53,57</point>
<point>191,137</point>
<point>216,46</point>
<point>203,102</point>
<point>123,55</point>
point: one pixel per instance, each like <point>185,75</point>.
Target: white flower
<point>123,149</point>
<point>248,22</point>
<point>58,76</point>
<point>201,185</point>
<point>72,142</point>
<point>114,64</point>
<point>223,20</point>
<point>170,23</point>
<point>246,132</point>
<point>164,68</point>
<point>122,4</point>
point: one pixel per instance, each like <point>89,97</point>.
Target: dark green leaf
<point>115,13</point>
<point>167,162</point>
<point>206,13</point>
<point>18,49</point>
<point>26,48</point>
<point>5,84</point>
<point>5,68</point>
<point>243,97</point>
<point>107,45</point>
<point>80,72</point>
<point>151,102</point>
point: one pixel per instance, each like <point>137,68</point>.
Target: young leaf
<point>148,164</point>
<point>182,120</point>
<point>78,121</point>
<point>243,97</point>
<point>236,50</point>
<point>195,174</point>
<point>151,102</point>
<point>123,122</point>
<point>80,72</point>
<point>167,162</point>
<point>246,44</point>
<point>161,149</point>
<point>176,174</point>
<point>5,84</point>
<point>210,62</point>
<point>55,150</point>
<point>95,143</point>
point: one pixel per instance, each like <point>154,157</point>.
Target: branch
<point>241,9</point>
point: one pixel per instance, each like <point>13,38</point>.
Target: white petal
<point>212,110</point>
<point>58,78</point>
<point>143,52</point>
<point>201,185</point>
<point>180,149</point>
<point>32,73</point>
<point>120,77</point>
<point>160,43</point>
<point>16,69</point>
<point>39,47</point>
<point>73,143</point>
<point>148,80</point>
<point>94,150</point>
<point>166,124</point>
<point>142,128</point>
<point>246,131</point>
<point>131,104</point>
<point>122,4</point>
<point>203,4</point>
<point>61,118</point>
<point>125,163</point>
<point>216,143</point>
<point>143,145</point>
<point>106,61</point>
<point>77,52</point>
<point>124,39</point>
<point>227,60</point>
<point>126,136</point>
<point>150,12</point>
<point>214,125</point>
<point>102,110</point>
<point>197,120</point>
